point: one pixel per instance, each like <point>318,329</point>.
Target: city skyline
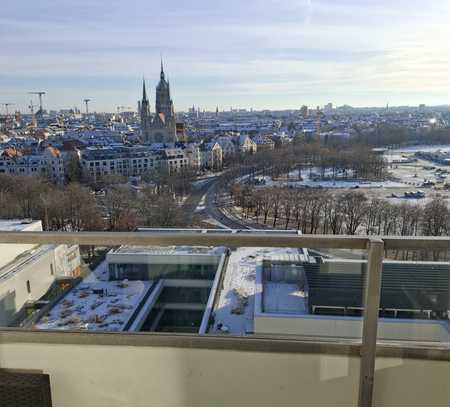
<point>265,55</point>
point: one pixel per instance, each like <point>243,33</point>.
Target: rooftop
<point>234,311</point>
<point>284,298</point>
<point>170,250</point>
<point>100,306</point>
<point>18,225</point>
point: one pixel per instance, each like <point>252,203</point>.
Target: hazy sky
<point>240,53</point>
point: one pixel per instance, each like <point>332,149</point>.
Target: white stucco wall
<point>122,376</point>
<point>8,252</point>
<point>13,288</point>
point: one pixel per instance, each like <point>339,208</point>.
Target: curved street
<point>210,205</point>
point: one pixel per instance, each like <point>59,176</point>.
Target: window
<point>28,287</point>
<point>52,272</point>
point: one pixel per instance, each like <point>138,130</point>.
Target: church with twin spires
<point>160,127</point>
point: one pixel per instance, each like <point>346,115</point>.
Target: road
<point>214,203</point>
<point>192,202</point>
<point>207,204</point>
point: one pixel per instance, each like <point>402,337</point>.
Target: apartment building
<point>45,163</point>
<point>28,271</point>
<point>175,160</point>
<point>211,156</point>
<point>122,160</point>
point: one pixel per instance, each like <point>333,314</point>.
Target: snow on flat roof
<point>99,306</point>
<point>284,298</point>
<point>101,273</point>
<point>235,307</point>
<point>169,250</point>
<point>15,225</point>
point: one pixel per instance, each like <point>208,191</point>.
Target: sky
<point>264,54</point>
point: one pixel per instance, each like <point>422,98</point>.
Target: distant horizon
<point>237,108</point>
<point>265,54</point>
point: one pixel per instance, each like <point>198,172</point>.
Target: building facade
<point>121,160</point>
<point>211,156</point>
<point>47,163</point>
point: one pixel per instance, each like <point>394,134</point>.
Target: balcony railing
<point>368,348</point>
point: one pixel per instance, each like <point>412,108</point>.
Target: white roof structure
<point>20,225</point>
<point>101,306</point>
<point>234,311</point>
<point>170,250</point>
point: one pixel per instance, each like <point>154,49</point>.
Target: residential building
<point>118,160</point>
<point>246,144</point>
<point>192,150</point>
<point>211,156</point>
<point>47,163</point>
<point>28,271</point>
<point>175,159</point>
<point>229,149</point>
<point>264,143</point>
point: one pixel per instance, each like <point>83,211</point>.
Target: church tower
<point>145,112</point>
<point>164,104</point>
<point>162,128</point>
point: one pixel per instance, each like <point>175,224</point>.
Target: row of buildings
<point>55,157</point>
<point>135,160</point>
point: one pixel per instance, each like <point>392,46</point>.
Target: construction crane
<point>40,94</point>
<point>86,101</point>
<point>6,107</point>
<point>31,107</point>
<point>33,116</point>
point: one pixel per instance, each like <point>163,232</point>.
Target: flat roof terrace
<point>18,225</point>
<point>234,310</point>
<point>98,306</point>
<point>170,250</point>
<point>283,298</point>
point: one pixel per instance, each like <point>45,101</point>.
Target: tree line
<point>391,135</point>
<point>74,207</point>
<point>345,160</point>
<point>319,211</point>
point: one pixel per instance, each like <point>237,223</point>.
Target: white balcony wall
<point>113,376</point>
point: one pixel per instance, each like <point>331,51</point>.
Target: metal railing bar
<point>215,238</point>
<point>416,242</point>
<point>370,321</point>
<point>195,341</point>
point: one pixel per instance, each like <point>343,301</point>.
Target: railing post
<point>370,322</point>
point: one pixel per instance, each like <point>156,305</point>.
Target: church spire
<point>144,92</point>
<point>162,69</point>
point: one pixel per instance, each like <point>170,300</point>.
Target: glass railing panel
<point>415,297</point>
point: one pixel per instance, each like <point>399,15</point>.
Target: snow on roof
<point>286,257</point>
<point>16,225</point>
<point>284,298</point>
<point>100,306</point>
<point>234,311</point>
<point>170,250</point>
